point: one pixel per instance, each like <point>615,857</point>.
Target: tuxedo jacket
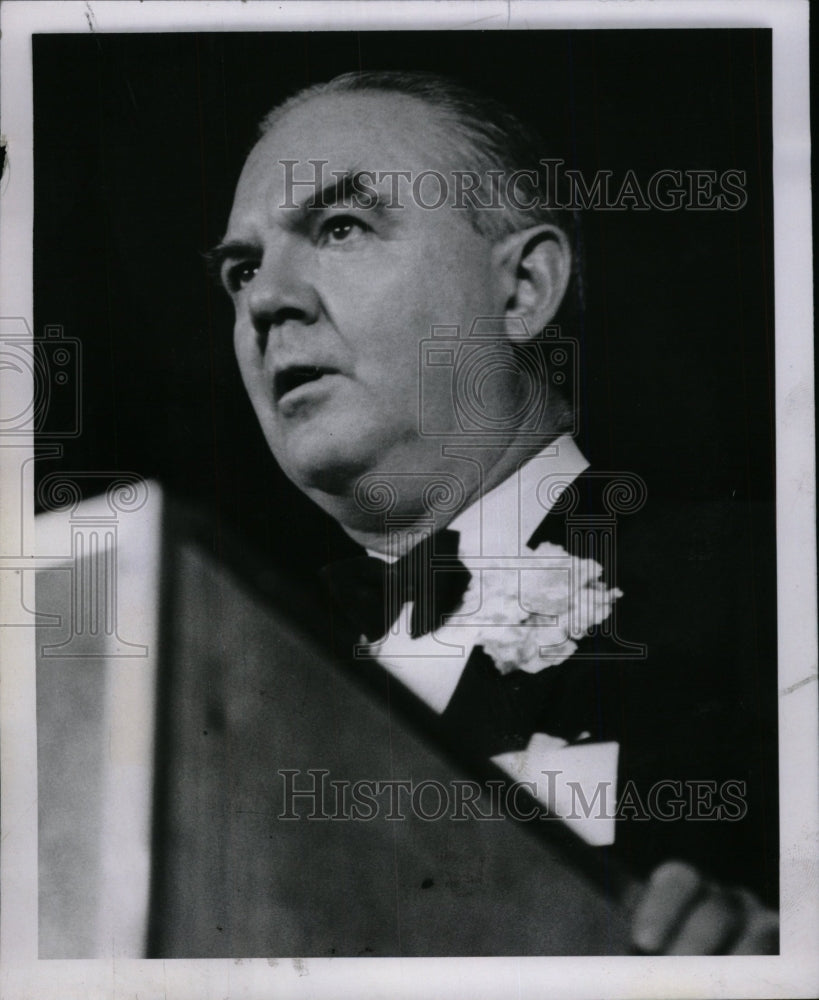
<point>266,718</point>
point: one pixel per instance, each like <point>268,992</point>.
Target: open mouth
<point>293,378</point>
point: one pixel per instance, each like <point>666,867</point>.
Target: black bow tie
<point>372,591</point>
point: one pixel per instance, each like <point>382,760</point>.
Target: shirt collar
<point>501,522</point>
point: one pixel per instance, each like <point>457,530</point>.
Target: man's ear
<point>534,266</point>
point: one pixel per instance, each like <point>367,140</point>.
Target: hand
<point>680,913</point>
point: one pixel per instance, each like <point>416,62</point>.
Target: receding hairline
<point>454,141</point>
<point>428,89</point>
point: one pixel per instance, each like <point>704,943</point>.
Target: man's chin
<point>324,471</point>
<point>329,466</point>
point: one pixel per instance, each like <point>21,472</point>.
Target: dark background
<point>139,140</point>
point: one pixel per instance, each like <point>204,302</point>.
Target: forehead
<point>362,131</point>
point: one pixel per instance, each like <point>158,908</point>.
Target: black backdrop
<point>139,140</point>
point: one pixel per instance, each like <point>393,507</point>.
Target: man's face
<point>333,302</point>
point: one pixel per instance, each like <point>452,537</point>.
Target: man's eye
<point>341,229</point>
<point>239,275</point>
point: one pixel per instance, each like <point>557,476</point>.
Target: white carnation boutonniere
<point>529,619</point>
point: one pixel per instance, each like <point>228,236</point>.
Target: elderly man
<point>373,212</point>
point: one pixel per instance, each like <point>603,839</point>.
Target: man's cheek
<point>247,357</point>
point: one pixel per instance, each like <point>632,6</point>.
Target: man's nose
<point>281,292</point>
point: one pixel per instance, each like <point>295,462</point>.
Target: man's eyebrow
<point>228,250</point>
<point>342,190</point>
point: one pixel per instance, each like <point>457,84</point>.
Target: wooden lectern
<point>197,742</point>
